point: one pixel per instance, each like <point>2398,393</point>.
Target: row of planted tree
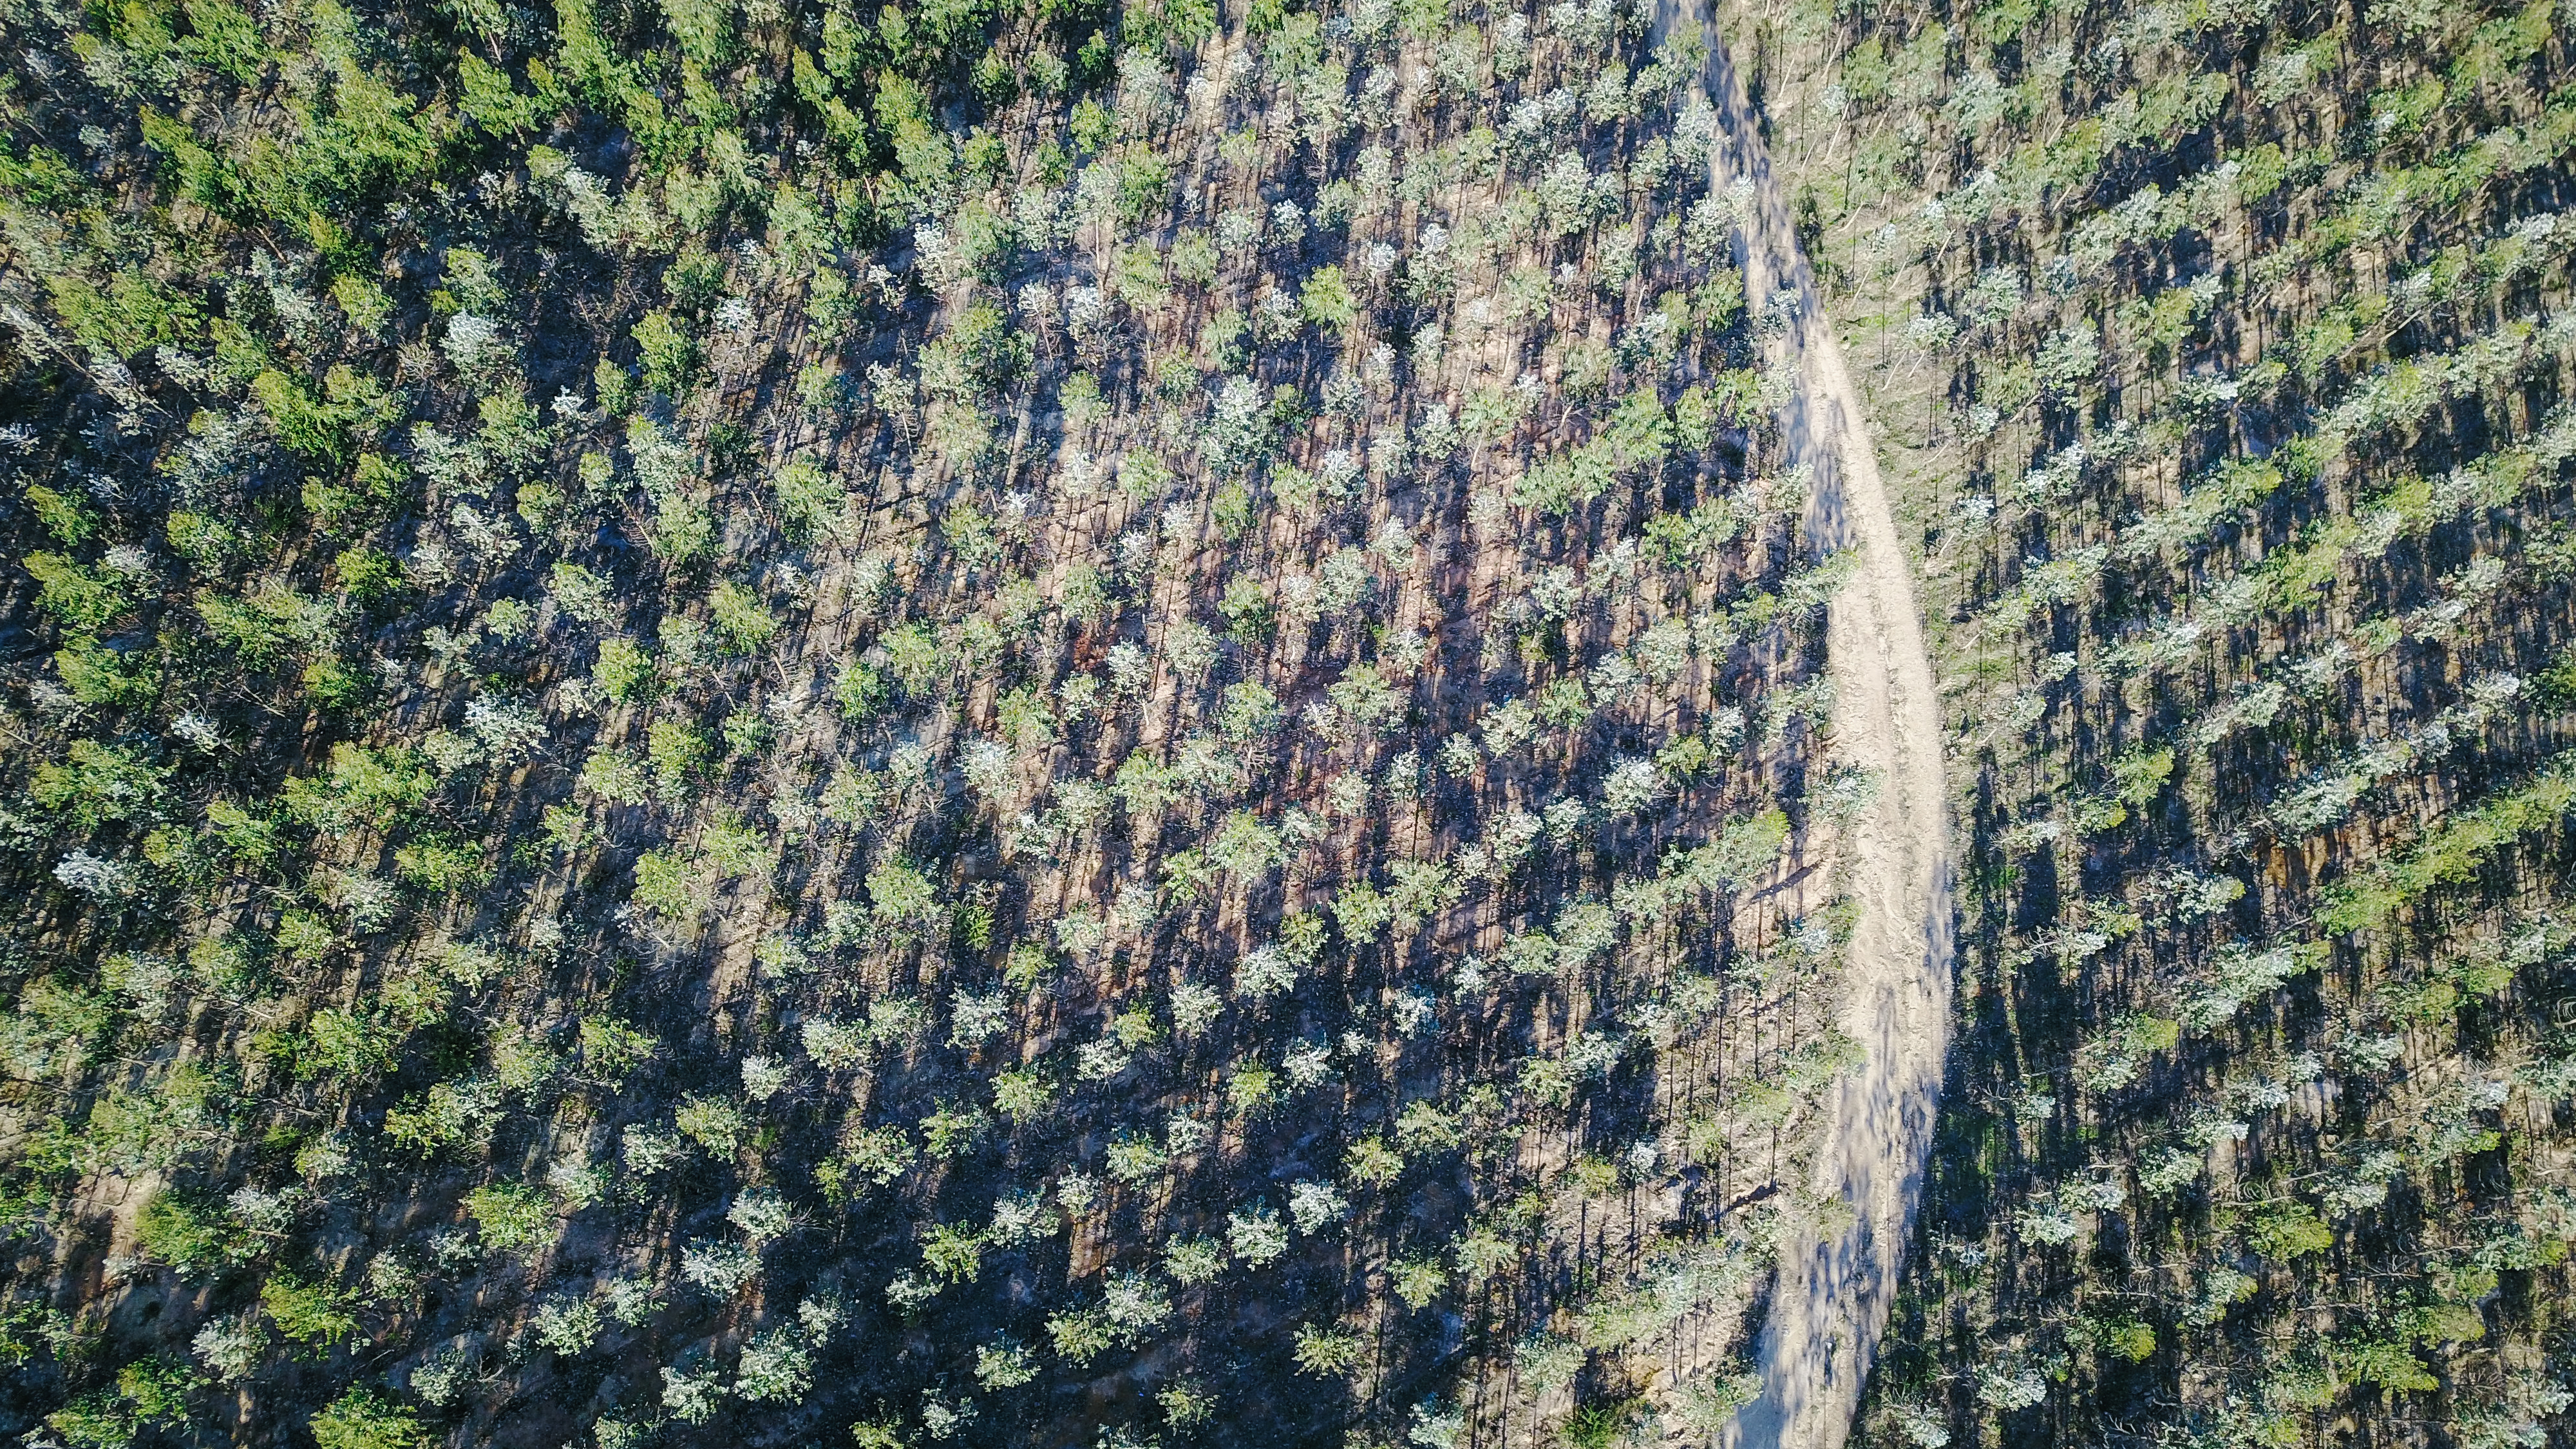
<point>2225,350</point>
<point>1048,724</point>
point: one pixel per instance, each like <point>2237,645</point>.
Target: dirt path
<point>1832,1301</point>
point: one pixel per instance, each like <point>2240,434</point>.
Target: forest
<point>1053,724</point>
<point>2223,353</point>
<point>1124,724</point>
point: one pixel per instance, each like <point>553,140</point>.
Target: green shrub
<point>678,750</point>
<point>744,622</point>
<point>899,894</point>
<point>1081,1335</point>
<point>193,1234</point>
<point>810,501</point>
<point>2556,687</point>
<point>611,1050</point>
<point>94,1421</point>
<point>623,672</point>
<point>669,884</point>
<point>368,575</point>
<point>1325,1352</point>
<point>440,864</point>
<point>2131,1340</point>
<point>362,1418</point>
<point>2385,1362</point>
<point>667,355</point>
<point>313,1314</point>
<point>860,692</point>
<point>954,1252</point>
<point>68,519</point>
<point>714,1123</point>
<point>1599,1426</point>
<point>342,1044</point>
<point>512,1216</point>
<point>78,597</point>
<point>99,675</point>
<point>96,783</point>
<point>376,788</point>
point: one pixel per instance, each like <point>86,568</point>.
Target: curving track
<point>1832,1301</point>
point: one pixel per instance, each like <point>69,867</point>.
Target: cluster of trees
<point>736,721</point>
<point>2226,349</point>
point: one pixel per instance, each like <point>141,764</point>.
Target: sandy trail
<point>1834,1292</point>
